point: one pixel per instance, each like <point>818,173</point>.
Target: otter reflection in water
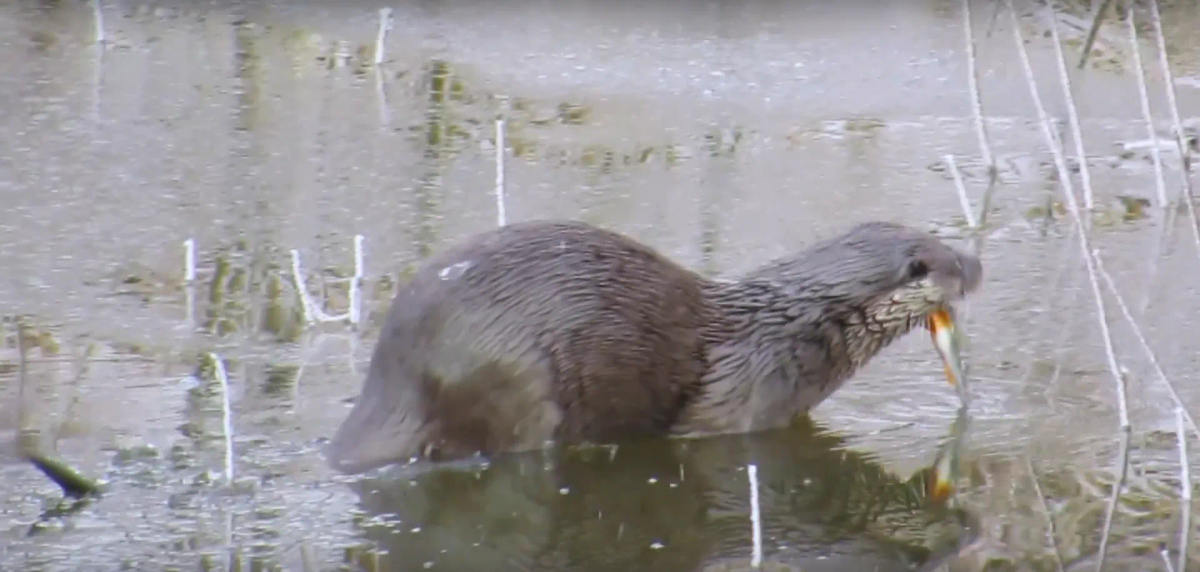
<point>560,331</point>
<point>680,505</point>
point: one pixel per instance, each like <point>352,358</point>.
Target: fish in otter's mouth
<point>945,334</point>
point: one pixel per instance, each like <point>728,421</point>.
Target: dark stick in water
<point>1097,19</point>
<point>74,484</point>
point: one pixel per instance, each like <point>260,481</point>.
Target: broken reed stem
<point>1185,485</point>
<point>1166,558</point>
<point>1140,74</point>
<point>313,312</point>
<point>1097,19</point>
<point>501,215</point>
<point>1137,332</point>
<point>1085,174</point>
<point>963,201</point>
<point>977,112</point>
<point>755,516</point>
<point>189,261</point>
<point>310,311</point>
<point>1088,257</point>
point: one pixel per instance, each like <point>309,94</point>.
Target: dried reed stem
<point>1088,256</point>
<point>313,312</point>
<point>963,201</point>
<point>977,112</point>
<point>501,215</point>
<point>189,280</point>
<point>1185,484</point>
<point>1085,174</point>
<point>24,417</point>
<point>1111,509</point>
<point>1049,514</point>
<point>755,517</point>
<point>1137,333</point>
<point>385,116</point>
<point>1097,19</point>
<point>1182,418</point>
<point>1140,73</point>
<point>226,414</point>
<point>385,24</point>
<point>1169,80</point>
<point>98,20</point>
<point>1166,558</point>
<point>189,261</point>
<point>355,310</point>
<point>1185,158</point>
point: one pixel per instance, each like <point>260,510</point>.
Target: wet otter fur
<point>562,331</point>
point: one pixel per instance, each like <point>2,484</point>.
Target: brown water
<point>722,133</point>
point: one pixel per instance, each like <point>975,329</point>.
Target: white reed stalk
<point>1069,195</point>
<point>310,311</point>
<point>755,517</point>
<point>385,115</point>
<point>1166,558</point>
<point>385,24</point>
<point>98,20</point>
<point>226,414</point>
<point>355,311</point>
<point>1172,103</point>
<point>501,216</point>
<point>976,101</point>
<point>1140,73</point>
<point>1185,483</point>
<point>1184,155</point>
<point>189,279</point>
<point>189,261</point>
<point>1137,333</point>
<point>189,301</point>
<point>1085,174</point>
<point>963,201</point>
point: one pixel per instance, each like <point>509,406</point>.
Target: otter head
<point>929,278</point>
<point>877,282</point>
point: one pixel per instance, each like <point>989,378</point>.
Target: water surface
<point>722,133</point>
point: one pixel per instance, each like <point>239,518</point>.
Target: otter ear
<point>917,269</point>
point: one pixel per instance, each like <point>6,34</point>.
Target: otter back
<point>523,334</point>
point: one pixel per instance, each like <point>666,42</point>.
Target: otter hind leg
<point>493,408</point>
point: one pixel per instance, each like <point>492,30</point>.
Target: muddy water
<point>722,133</point>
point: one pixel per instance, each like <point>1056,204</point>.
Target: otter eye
<point>917,269</point>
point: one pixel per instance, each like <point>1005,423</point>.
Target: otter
<point>560,331</point>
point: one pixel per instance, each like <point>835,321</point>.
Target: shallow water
<point>722,133</point>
